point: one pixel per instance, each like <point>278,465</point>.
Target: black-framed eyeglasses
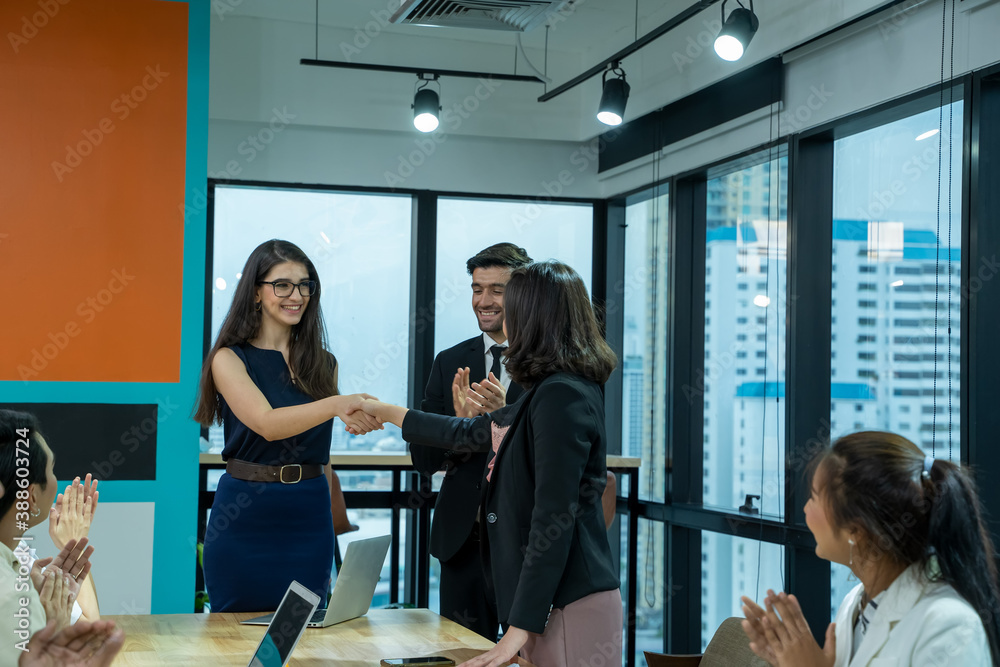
<point>283,288</point>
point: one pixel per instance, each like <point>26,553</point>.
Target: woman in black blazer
<point>546,545</point>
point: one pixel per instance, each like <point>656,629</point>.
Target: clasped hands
<point>781,636</point>
<point>357,421</point>
<point>469,400</point>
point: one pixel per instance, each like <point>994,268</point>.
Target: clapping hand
<point>73,561</point>
<point>478,398</point>
<point>356,421</point>
<point>489,394</point>
<point>56,596</point>
<point>73,513</point>
<point>785,640</point>
<point>459,395</point>
<point>80,645</point>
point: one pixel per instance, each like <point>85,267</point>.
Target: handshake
<point>364,413</point>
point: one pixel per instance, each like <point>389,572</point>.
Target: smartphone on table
<point>430,661</point>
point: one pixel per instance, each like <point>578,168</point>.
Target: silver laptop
<point>355,586</point>
<point>284,632</point>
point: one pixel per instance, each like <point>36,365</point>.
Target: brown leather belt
<point>286,474</point>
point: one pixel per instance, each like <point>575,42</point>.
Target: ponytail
<point>910,507</point>
<point>958,536</point>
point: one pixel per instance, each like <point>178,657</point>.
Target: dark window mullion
<point>686,352</point>
<point>807,380</point>
<point>981,291</point>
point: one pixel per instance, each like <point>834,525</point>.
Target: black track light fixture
<point>614,96</point>
<point>737,31</point>
<point>426,104</point>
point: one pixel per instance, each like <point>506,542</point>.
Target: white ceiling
<point>256,45</point>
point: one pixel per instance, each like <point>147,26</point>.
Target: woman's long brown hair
<point>313,365</point>
<point>551,326</point>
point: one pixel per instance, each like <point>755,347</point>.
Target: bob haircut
<point>551,326</point>
<point>313,365</point>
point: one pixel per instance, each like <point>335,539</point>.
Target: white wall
<point>405,159</point>
<point>123,559</point>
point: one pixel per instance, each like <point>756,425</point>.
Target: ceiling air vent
<point>518,15</point>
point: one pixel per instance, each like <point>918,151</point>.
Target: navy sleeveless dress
<point>262,535</point>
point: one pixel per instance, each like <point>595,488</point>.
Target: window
<point>733,566</point>
<point>885,214</point>
<point>746,252</point>
<point>645,348</point>
<point>649,586</point>
<point>466,226</point>
<point>333,229</point>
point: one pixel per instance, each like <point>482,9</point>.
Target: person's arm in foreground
<point>84,644</point>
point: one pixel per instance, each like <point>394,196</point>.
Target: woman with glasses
<point>272,383</point>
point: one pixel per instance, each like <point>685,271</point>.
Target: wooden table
<point>219,640</point>
<point>399,500</point>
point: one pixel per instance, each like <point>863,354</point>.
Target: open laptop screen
<point>286,627</point>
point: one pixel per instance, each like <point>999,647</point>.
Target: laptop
<point>286,628</point>
<point>355,585</point>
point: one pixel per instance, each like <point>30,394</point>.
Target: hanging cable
<point>534,70</point>
<point>649,591</point>
<point>937,246</point>
<point>545,75</point>
<point>767,342</point>
<point>951,128</point>
<point>317,29</point>
<point>635,38</point>
<point>775,182</point>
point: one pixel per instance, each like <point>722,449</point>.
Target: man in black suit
<point>466,598</point>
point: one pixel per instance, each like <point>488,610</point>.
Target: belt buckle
<point>281,473</point>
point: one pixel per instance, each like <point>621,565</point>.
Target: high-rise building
<point>886,358</point>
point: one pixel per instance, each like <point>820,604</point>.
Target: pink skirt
<point>586,633</point>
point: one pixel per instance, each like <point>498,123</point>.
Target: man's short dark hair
<point>506,255</point>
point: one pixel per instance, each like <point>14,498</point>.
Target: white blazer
<point>919,623</point>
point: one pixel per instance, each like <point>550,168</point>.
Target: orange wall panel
<point>91,189</point>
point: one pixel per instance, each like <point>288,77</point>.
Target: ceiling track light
<point>737,31</point>
<point>426,103</point>
<point>614,96</point>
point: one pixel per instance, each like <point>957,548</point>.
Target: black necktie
<point>497,352</point>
